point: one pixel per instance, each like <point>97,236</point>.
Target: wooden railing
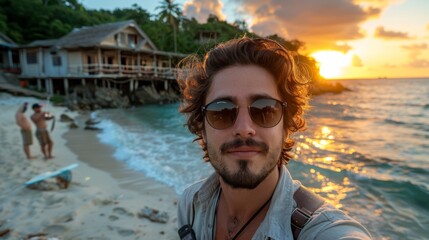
<point>14,68</point>
<point>120,70</point>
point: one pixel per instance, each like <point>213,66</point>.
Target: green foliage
<point>57,99</point>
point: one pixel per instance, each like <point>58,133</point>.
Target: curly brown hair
<point>195,78</point>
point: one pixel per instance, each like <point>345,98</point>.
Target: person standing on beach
<point>243,102</point>
<point>23,122</point>
<point>39,118</point>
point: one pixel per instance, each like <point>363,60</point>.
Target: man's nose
<point>244,126</point>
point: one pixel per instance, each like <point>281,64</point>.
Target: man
<point>243,103</point>
<point>39,118</point>
<point>24,124</point>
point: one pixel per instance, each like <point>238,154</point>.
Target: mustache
<point>249,142</point>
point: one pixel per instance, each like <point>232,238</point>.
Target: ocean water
<point>366,151</point>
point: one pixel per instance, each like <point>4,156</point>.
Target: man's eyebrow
<point>254,97</point>
<point>233,99</point>
<point>224,98</point>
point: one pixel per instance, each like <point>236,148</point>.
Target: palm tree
<point>171,13</point>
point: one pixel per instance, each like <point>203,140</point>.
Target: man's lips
<point>244,147</point>
<point>244,152</point>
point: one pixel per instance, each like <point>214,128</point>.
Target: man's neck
<point>244,202</point>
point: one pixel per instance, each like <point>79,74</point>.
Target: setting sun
<point>331,63</point>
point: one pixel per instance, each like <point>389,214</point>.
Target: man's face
<point>245,153</point>
<point>37,109</point>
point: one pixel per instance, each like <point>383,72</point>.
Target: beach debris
<point>4,232</point>
<point>61,181</point>
<point>73,125</point>
<point>39,236</point>
<point>65,118</point>
<point>153,215</point>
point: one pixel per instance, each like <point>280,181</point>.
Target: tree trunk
<point>175,38</point>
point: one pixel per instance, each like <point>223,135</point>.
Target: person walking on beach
<point>39,118</point>
<point>23,122</point>
<point>243,103</point>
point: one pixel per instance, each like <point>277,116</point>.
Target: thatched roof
<point>90,36</point>
<point>5,41</point>
<point>42,43</point>
<point>94,35</point>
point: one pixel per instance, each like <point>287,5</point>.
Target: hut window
<point>32,57</point>
<point>56,60</point>
<point>120,39</point>
<point>132,40</point>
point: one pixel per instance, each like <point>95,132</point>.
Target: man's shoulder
<point>185,206</point>
<point>192,189</point>
<point>200,191</point>
<point>329,222</point>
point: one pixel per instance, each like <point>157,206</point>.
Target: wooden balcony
<point>115,71</point>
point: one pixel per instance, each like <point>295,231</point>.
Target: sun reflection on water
<point>322,151</point>
<point>333,192</point>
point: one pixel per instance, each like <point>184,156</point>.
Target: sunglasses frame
<point>283,105</point>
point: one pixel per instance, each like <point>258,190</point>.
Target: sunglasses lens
<point>266,112</point>
<point>221,114</point>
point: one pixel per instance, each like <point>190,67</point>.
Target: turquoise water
<point>365,151</point>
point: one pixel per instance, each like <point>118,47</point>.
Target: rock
<point>73,125</point>
<point>4,232</point>
<point>153,215</point>
<point>65,118</point>
<point>92,121</point>
<point>92,128</point>
<point>327,87</point>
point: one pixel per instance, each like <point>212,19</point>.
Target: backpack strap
<point>307,203</point>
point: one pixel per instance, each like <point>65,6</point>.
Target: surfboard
<point>46,175</point>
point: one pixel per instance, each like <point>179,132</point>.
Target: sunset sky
<point>349,38</point>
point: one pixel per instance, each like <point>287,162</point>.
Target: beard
<point>243,177</point>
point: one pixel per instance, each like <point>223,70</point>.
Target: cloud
<point>380,32</point>
<point>419,63</point>
<point>415,51</point>
<point>356,61</point>
<point>342,47</point>
<point>415,47</point>
<point>318,23</point>
<point>201,9</point>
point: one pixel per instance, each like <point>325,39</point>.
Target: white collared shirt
<point>197,207</point>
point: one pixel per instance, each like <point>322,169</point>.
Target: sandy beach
<point>103,201</point>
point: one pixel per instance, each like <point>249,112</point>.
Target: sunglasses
<point>265,112</point>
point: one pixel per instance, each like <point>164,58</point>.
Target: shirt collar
<point>277,222</point>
